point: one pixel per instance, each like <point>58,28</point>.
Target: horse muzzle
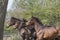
<point>8,26</point>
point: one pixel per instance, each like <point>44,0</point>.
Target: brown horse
<point>12,21</point>
<point>25,32</point>
<point>47,33</point>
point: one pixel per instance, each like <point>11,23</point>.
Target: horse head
<point>19,24</point>
<point>12,21</point>
<point>32,20</point>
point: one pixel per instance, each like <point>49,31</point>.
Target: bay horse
<point>12,21</point>
<point>26,33</point>
<point>43,33</point>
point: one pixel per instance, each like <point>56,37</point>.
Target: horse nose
<point>8,24</point>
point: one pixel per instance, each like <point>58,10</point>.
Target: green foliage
<point>46,10</point>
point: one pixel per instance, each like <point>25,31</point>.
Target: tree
<point>3,8</point>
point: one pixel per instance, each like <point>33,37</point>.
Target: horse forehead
<point>11,19</point>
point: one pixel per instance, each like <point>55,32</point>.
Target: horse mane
<point>15,18</point>
<point>39,21</point>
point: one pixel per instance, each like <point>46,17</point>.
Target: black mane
<point>39,21</point>
<point>15,18</point>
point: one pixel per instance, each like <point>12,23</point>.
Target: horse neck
<point>21,25</point>
<point>38,26</point>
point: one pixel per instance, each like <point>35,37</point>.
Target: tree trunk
<point>3,8</point>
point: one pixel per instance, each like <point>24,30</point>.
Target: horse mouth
<point>8,26</point>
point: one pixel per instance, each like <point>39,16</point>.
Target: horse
<point>12,21</point>
<point>43,33</point>
<point>26,33</point>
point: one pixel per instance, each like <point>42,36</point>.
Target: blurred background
<point>48,11</point>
